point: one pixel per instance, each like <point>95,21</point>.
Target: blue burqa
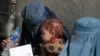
<point>85,40</point>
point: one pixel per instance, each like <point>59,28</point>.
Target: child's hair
<point>53,25</point>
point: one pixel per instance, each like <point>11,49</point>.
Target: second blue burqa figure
<point>84,40</point>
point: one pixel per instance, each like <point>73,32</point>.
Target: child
<point>51,33</point>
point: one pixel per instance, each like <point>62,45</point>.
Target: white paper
<point>24,50</point>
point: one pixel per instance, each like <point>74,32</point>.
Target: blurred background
<point>67,10</point>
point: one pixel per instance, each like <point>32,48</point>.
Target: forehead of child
<point>51,25</point>
<point>45,30</point>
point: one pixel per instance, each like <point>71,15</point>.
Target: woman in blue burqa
<point>33,15</point>
<point>85,40</point>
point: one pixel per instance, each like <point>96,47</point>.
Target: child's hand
<point>5,42</point>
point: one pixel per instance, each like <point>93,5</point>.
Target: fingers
<point>5,42</point>
<point>3,45</point>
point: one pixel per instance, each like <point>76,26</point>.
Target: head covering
<point>32,13</point>
<point>87,24</point>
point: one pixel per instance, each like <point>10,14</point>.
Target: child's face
<point>46,36</point>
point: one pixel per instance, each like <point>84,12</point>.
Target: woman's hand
<point>5,42</point>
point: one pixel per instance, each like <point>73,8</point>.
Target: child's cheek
<point>46,39</point>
